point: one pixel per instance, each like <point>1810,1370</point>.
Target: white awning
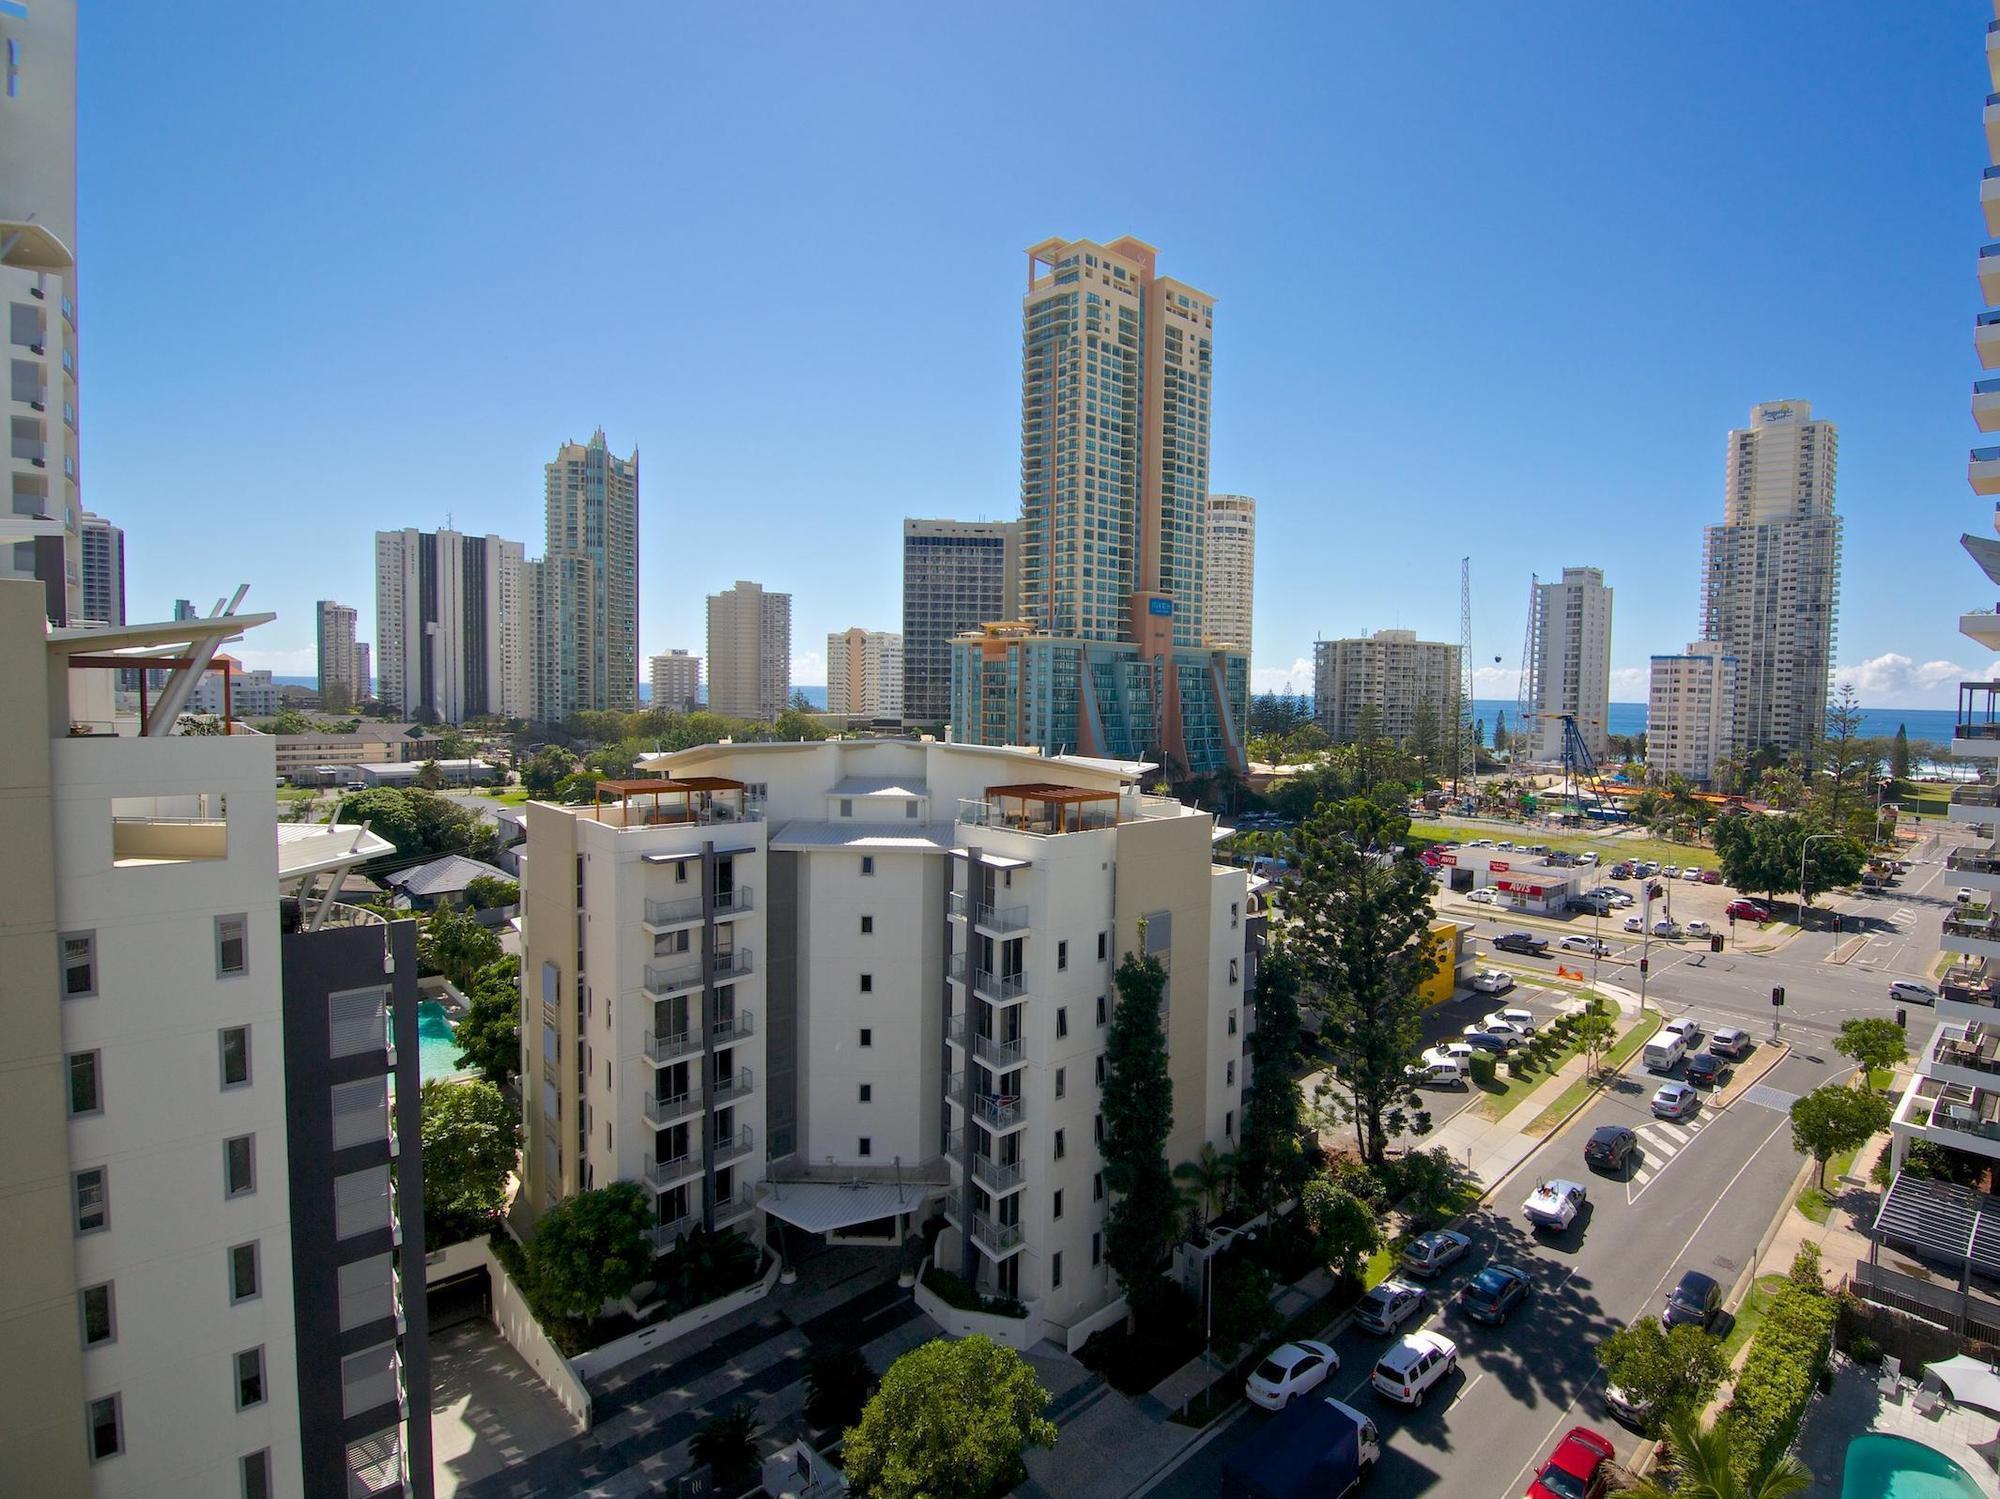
<point>819,1207</point>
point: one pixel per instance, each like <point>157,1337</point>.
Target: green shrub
<point>953,1291</point>
<point>1482,1071</point>
<point>1781,1371</point>
<point>1864,1349</point>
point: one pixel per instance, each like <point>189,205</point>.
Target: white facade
<point>749,652</point>
<point>1572,665</point>
<point>1771,574</point>
<point>252,694</point>
<point>1230,570</point>
<point>676,681</point>
<point>1691,708</point>
<point>341,674</point>
<point>450,625</point>
<point>864,673</point>
<point>1391,671</point>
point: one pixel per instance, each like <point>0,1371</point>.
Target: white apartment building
<point>41,525</point>
<point>1771,574</point>
<point>251,694</point>
<point>676,681</point>
<point>1230,570</point>
<point>103,551</point>
<point>148,1335</point>
<point>864,673</point>
<point>341,676</point>
<point>1393,672</point>
<point>846,983</point>
<point>1570,662</point>
<point>749,652</point>
<point>1691,706</point>
<point>582,595</point>
<point>450,625</point>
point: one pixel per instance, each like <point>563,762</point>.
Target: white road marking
<point>1466,1388</point>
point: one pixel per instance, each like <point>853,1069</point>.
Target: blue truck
<point>1316,1448</point>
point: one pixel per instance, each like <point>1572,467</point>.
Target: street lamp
<point>1208,1297</point>
<point>1811,839</point>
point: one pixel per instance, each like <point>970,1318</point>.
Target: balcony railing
<point>661,979</point>
<point>999,988</point>
<point>736,1205</point>
<point>1972,1047</point>
<point>1946,1114</point>
<point>734,1147</point>
<point>1974,861</point>
<point>667,1235</point>
<point>1982,928</point>
<point>1000,1110</point>
<point>728,1089</point>
<point>997,1176</point>
<point>659,1175</point>
<point>724,1032</point>
<point>730,902</point>
<point>993,917</point>
<point>997,1054</point>
<point>661,1111</point>
<point>994,1237</point>
<point>1975,796</point>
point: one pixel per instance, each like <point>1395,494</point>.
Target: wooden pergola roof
<point>1047,791</point>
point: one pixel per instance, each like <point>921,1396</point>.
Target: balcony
<point>731,1088</point>
<point>1973,804</point>
<point>1992,118</point>
<point>660,1111</point>
<point>1001,1113</point>
<point>1967,1054</point>
<point>670,913</point>
<point>1993,52</point>
<point>660,1175</point>
<point>1967,994</point>
<point>1974,932</point>
<point>1982,625</point>
<point>1963,1116</point>
<point>739,1204</point>
<point>662,979</point>
<point>667,1235</point>
<point>1989,197</point>
<point>735,1147</point>
<point>995,1240</point>
<point>1982,470</point>
<point>999,1055</point>
<point>999,989</point>
<point>999,920</point>
<point>727,1030</point>
<point>1986,339</point>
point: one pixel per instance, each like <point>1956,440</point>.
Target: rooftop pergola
<point>688,799</point>
<point>1042,807</point>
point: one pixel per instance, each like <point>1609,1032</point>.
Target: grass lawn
<point>1505,1091</point>
<point>1620,1053</point>
<point>1381,1264</point>
<point>296,793</point>
<point>1751,1313</point>
<point>1611,847</point>
<point>1816,1204</point>
<point>513,797</point>
<point>1879,1079</point>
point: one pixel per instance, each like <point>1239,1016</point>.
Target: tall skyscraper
<point>184,609</point>
<point>1691,707</point>
<point>676,680</point>
<point>1390,671</point>
<point>749,652</point>
<point>449,625</point>
<point>1230,570</point>
<point>957,575</point>
<point>1110,656</point>
<point>1570,671</point>
<point>103,571</point>
<point>1771,575</point>
<point>339,669</point>
<point>41,528</point>
<point>586,586</point>
<point>864,673</point>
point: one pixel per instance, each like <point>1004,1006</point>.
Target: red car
<point>1579,1468</point>
<point>1710,877</point>
<point>1747,910</point>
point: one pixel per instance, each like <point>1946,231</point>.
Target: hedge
<point>1781,1372</point>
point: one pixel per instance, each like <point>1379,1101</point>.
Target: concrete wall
<point>524,1334</point>
<point>623,1350</point>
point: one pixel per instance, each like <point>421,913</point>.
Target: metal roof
<point>313,848</point>
<point>446,876</point>
<point>819,1207</point>
<point>1938,1218</point>
<point>919,837</point>
<point>878,786</point>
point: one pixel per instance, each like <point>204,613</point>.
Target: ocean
<point>1934,724</point>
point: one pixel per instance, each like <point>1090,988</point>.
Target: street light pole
<point>1811,839</point>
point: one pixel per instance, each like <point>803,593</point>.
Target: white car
<point>1912,992</point>
<point>1555,1204</point>
<point>1492,981</point>
<point>1675,1101</point>
<point>1665,928</point>
<point>1480,843</point>
<point>1620,898</point>
<point>1965,897</point>
<point>1686,1027</point>
<point>1589,945</point>
<point>1406,1372</point>
<point>1504,1040</point>
<point>1522,1021</point>
<point>1588,858</point>
<point>1671,872</point>
<point>1485,895</point>
<point>1289,1371</point>
<point>1437,1070</point>
<point>1691,875</point>
<point>1635,924</point>
<point>1698,929</point>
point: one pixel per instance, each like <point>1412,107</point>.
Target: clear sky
<point>1492,280</point>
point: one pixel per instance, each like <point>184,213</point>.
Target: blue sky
<point>1492,280</point>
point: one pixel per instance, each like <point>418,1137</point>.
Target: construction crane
<point>1580,774</point>
<point>1529,697</point>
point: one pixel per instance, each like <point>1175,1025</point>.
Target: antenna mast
<point>1526,711</point>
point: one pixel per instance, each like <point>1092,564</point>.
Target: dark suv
<point>1609,1147</point>
<point>1697,1300</point>
<point>1522,942</point>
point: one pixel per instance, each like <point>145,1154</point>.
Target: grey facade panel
<point>781,1000</point>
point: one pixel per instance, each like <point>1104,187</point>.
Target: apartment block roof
<point>904,837</point>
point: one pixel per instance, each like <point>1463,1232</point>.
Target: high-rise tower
<point>1571,670</point>
<point>749,652</point>
<point>586,604</point>
<point>103,571</point>
<point>957,575</point>
<point>449,624</point>
<point>1771,575</point>
<point>1230,570</point>
<point>340,672</point>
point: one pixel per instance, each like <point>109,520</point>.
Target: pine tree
<point>1899,754</point>
<point>1270,1162</point>
<point>1138,1096</point>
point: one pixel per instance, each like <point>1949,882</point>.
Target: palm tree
<point>1208,1176</point>
<point>1707,1470</point>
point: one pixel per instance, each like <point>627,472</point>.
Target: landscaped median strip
<point>1572,1098</point>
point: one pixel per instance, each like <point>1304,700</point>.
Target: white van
<point>1440,1070</point>
<point>1664,1052</point>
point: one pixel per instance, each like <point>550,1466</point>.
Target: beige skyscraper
<point>340,674</point>
<point>864,673</point>
<point>749,652</point>
<point>676,680</point>
<point>585,589</point>
<point>1230,570</point>
<point>1390,671</point>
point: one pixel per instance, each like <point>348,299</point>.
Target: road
<point>1701,1198</point>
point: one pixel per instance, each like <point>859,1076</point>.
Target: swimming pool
<point>1885,1467</point>
<point>437,1052</point>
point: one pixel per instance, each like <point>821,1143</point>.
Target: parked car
<point>1406,1372</point>
<point>1480,843</point>
<point>1291,1371</point>
<point>1697,928</point>
<point>1491,981</point>
<point>1706,1069</point>
<point>1389,1305</point>
<point>1909,991</point>
<point>1621,870</point>
<point>1588,857</point>
<point>1646,868</point>
<point>1609,1147</point>
<point>1691,875</point>
<point>1710,877</point>
<point>1498,1043</point>
<point>1525,943</point>
<point>1664,1052</point>
<point>1592,945</point>
<point>1729,1042</point>
<point>1485,895</point>
<point>1695,1299</point>
<point>1555,1204</point>
<point>1589,904</point>
<point>1429,1253</point>
<point>1629,1409</point>
<point>1520,1020</point>
<point>1456,1050</point>
<point>1435,1070</point>
<point>1494,1292</point>
<point>1671,872</point>
<point>1666,928</point>
<point>1686,1027</point>
<point>1579,1468</point>
<point>1635,924</point>
<point>1747,910</point>
<point>1675,1101</point>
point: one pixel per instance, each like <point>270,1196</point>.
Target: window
<point>1232,1022</point>
<point>1100,1070</point>
<point>1233,970</point>
<point>1097,1187</point>
<point>257,1474</point>
<point>910,809</point>
<point>867,1092</point>
<point>83,1084</point>
<point>1055,1270</point>
<point>846,807</point>
<point>867,1036</point>
<point>1060,1150</point>
<point>93,1200</point>
<point>867,863</point>
<point>1061,1077</point>
<point>232,945</point>
<point>1103,946</point>
<point>107,1438</point>
<point>1229,1122</point>
<point>360,1111</point>
<point>99,1314</point>
<point>1097,1249</point>
<point>239,1166</point>
<point>867,926</point>
<point>1062,1021</point>
<point>1055,1208</point>
<point>1097,1128</point>
<point>234,1041</point>
<point>1232,913</point>
<point>867,1146</point>
<point>867,983</point>
<point>249,1378</point>
<point>1062,956</point>
<point>79,964</point>
<point>243,1280</point>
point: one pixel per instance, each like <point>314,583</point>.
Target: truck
<point>1316,1448</point>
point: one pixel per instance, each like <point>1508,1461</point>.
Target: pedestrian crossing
<point>1662,1140</point>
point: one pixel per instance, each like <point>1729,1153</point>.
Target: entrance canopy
<point>1971,1381</point>
<point>823,1207</point>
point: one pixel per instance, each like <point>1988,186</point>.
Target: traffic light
<point>1715,942</point>
<point>1643,963</point>
<point>1778,996</point>
<point>1902,1018</point>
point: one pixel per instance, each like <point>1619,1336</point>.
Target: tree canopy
<point>1344,1229</point>
<point>950,1421</point>
<point>1831,1119</point>
<point>1663,1369</point>
<point>590,1249</point>
<point>1270,1158</point>
<point>472,1142</point>
<point>422,824</point>
<point>453,943</point>
<point>1763,852</point>
<point>489,1033</point>
<point>1872,1041</point>
<point>1138,1106</point>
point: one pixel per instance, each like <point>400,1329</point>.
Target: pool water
<point>437,1052</point>
<point>1886,1467</point>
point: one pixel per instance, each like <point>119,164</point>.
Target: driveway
<point>488,1410</point>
